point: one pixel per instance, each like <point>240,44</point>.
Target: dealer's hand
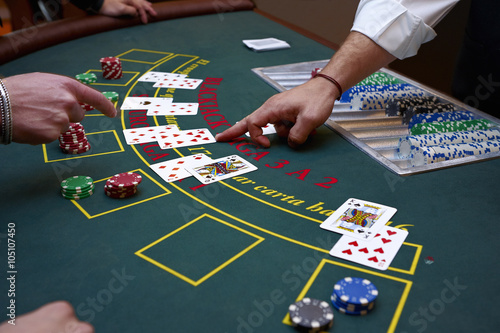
<point>295,113</point>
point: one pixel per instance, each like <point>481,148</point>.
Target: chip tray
<point>371,131</point>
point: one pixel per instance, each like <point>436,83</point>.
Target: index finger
<point>235,131</point>
<point>95,98</point>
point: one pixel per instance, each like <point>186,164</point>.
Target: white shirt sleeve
<point>400,26</point>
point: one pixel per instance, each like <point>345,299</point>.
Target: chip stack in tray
<point>354,296</point>
<point>77,187</point>
<point>311,315</point>
<point>111,68</point>
<point>122,185</point>
<point>74,140</point>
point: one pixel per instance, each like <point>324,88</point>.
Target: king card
<point>359,219</point>
<point>220,169</point>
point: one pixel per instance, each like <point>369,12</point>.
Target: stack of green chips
<point>77,187</point>
<point>451,126</point>
<point>380,79</point>
<point>86,78</point>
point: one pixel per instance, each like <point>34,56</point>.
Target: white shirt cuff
<point>394,27</point>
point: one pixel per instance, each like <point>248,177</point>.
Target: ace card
<point>376,253</point>
<point>220,169</point>
<point>358,218</point>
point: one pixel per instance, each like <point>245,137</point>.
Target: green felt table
<point>232,256</point>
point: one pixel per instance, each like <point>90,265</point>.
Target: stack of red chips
<point>74,140</point>
<point>122,185</point>
<point>86,107</point>
<point>111,68</point>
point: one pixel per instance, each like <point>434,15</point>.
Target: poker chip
<point>433,112</point>
<point>86,78</point>
<point>380,79</point>
<point>74,140</point>
<point>398,105</point>
<point>77,187</point>
<point>354,296</point>
<point>360,89</point>
<point>451,126</point>
<point>111,68</point>
<point>122,185</point>
<point>311,315</point>
<point>111,95</point>
<point>378,100</point>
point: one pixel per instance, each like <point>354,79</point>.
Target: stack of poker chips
<point>348,95</point>
<point>122,185</point>
<point>410,142</point>
<point>111,68</point>
<point>427,109</point>
<point>451,126</point>
<point>379,100</point>
<point>86,78</point>
<point>74,140</point>
<point>311,315</point>
<point>77,187</point>
<point>427,155</point>
<point>379,79</point>
<point>421,118</point>
<point>111,95</point>
<point>398,106</point>
<point>354,296</point>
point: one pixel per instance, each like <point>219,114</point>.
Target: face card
<point>175,169</point>
<point>157,76</point>
<point>178,83</point>
<point>220,169</point>
<point>186,138</point>
<point>175,109</point>
<point>376,253</point>
<point>358,218</point>
<point>266,130</point>
<point>145,103</point>
<point>148,134</point>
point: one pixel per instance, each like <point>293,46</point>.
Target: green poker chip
<point>86,78</point>
<point>77,183</point>
<point>77,196</point>
<point>111,95</point>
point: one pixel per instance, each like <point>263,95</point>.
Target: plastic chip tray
<point>371,131</point>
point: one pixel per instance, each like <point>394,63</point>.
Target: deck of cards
<point>266,44</point>
<point>366,240</point>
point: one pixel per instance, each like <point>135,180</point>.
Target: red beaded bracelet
<point>332,80</point>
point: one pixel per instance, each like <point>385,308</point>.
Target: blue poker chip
<point>355,291</point>
<point>311,315</point>
<point>351,307</point>
<point>344,310</point>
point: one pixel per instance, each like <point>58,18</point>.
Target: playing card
<point>157,76</point>
<point>176,169</point>
<point>186,138</point>
<point>145,103</point>
<point>266,130</point>
<point>266,44</point>
<point>148,134</point>
<point>376,253</point>
<point>178,83</point>
<point>358,218</point>
<point>175,109</point>
<point>220,169</point>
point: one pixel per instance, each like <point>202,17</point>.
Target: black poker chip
<point>311,315</point>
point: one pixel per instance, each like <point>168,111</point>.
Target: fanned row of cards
<point>170,80</point>
<point>159,106</point>
<point>366,240</point>
<point>203,168</point>
<point>168,136</point>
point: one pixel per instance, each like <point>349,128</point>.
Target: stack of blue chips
<point>354,296</point>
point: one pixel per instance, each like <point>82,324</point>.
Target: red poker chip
<point>120,196</point>
<point>78,151</point>
<point>126,179</point>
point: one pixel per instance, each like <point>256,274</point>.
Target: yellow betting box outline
<point>399,308</point>
<point>167,192</point>
<point>46,159</point>
<point>215,270</point>
<point>166,56</point>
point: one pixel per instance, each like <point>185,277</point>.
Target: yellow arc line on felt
<point>227,214</point>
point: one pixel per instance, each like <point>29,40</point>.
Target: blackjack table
<point>231,256</point>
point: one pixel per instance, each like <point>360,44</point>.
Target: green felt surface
<point>231,256</point>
